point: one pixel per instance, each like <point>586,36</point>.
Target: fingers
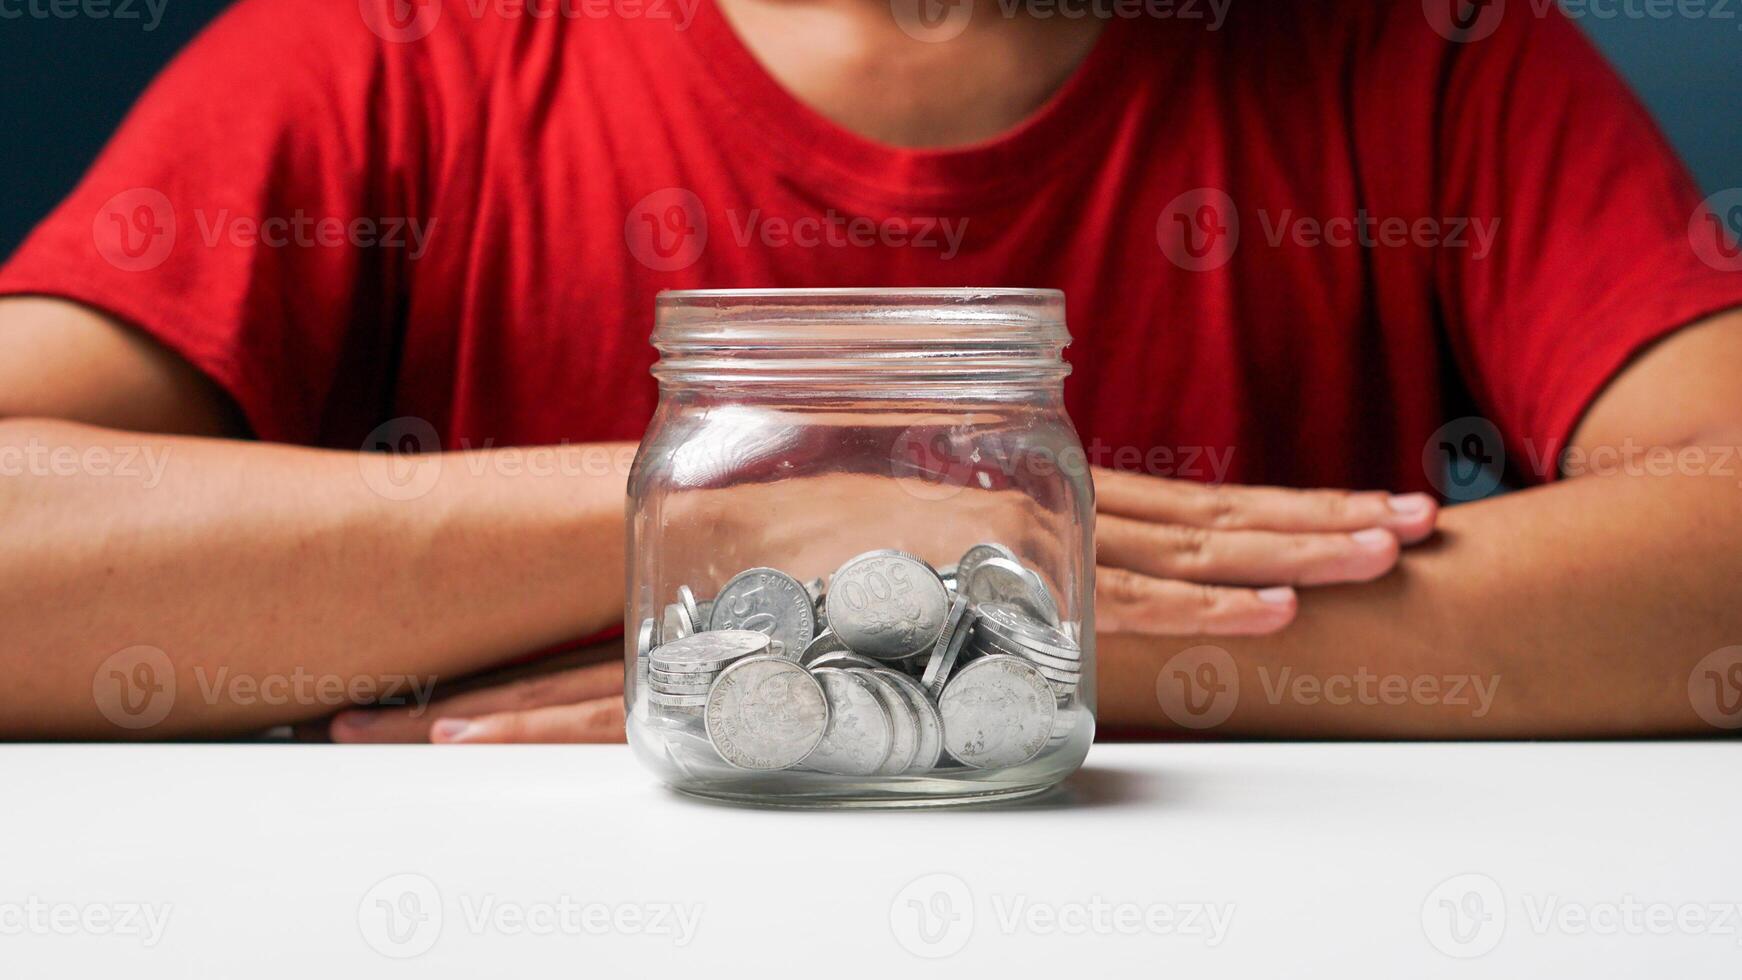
<point>589,721</point>
<point>1126,602</point>
<point>1409,516</point>
<point>1196,554</point>
<point>412,724</point>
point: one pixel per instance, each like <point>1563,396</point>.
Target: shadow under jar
<point>861,565</point>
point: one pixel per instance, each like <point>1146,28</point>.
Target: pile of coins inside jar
<point>890,667</point>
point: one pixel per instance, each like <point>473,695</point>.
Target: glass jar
<point>861,549</point>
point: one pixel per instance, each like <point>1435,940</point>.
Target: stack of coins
<point>680,673</point>
<point>1008,629</point>
<point>887,668</point>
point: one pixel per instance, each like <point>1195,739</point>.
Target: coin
<point>1064,723</point>
<point>677,700</point>
<point>858,738</point>
<point>768,601</point>
<point>887,605</point>
<point>949,646</point>
<point>765,713</point>
<point>665,688</point>
<point>643,647</point>
<point>903,726</point>
<point>986,642</point>
<point>708,651</point>
<point>1003,580</point>
<point>931,725</point>
<point>687,599</point>
<point>704,611</point>
<point>973,557</point>
<point>1013,623</point>
<point>842,659</point>
<point>825,642</point>
<point>676,623</point>
<point>998,711</point>
<point>666,678</point>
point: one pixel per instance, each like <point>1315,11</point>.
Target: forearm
<point>1576,609</point>
<point>257,562</point>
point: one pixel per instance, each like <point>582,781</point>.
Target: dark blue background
<point>68,82</point>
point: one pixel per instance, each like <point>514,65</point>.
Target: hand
<point>1176,557</point>
<point>577,704</point>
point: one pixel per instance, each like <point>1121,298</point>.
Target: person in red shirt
<point>1304,246</point>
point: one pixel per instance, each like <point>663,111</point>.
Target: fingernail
<point>1410,504</point>
<point>354,719</point>
<point>1279,595</point>
<point>1373,539</point>
<point>450,730</point>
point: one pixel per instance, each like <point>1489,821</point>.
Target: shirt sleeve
<point>237,216</point>
<point>1595,254</point>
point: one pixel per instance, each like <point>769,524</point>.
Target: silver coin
<point>825,642</point>
<point>1014,623</point>
<point>768,601</point>
<point>887,605</point>
<point>858,738</point>
<point>710,651</point>
<point>1065,722</point>
<point>666,678</point>
<point>998,711</point>
<point>766,713</point>
<point>931,725</point>
<point>903,725</point>
<point>680,689</point>
<point>676,623</point>
<point>687,599</point>
<point>949,647</point>
<point>677,700</point>
<point>986,644</point>
<point>1003,580</point>
<point>704,610</point>
<point>1066,677</point>
<point>643,646</point>
<point>973,557</point>
<point>843,659</point>
<point>815,587</point>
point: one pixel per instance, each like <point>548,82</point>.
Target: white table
<point>1253,860</point>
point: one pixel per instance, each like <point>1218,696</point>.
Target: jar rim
<point>952,316</point>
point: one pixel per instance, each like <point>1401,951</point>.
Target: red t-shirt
<point>467,209</point>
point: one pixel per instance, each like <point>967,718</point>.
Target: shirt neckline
<point>807,146</point>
